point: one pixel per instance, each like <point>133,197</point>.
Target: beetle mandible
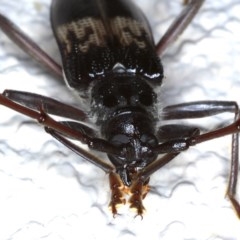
<point>109,58</point>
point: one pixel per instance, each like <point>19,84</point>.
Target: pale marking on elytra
<point>91,32</point>
<point>128,31</point>
<point>89,28</point>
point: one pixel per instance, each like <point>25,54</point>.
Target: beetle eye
<point>151,140</point>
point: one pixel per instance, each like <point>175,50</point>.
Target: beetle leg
<point>179,24</point>
<point>145,173</point>
<point>209,108</point>
<point>232,185</point>
<point>51,106</point>
<point>44,119</point>
<point>106,167</point>
<point>196,139</point>
<point>199,109</point>
<point>81,128</point>
<point>89,134</point>
<point>176,131</point>
<point>139,188</point>
<point>183,144</point>
<point>27,45</point>
<point>175,146</point>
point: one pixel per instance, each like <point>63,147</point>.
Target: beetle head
<point>132,133</point>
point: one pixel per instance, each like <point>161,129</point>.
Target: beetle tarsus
<point>139,192</point>
<point>117,197</point>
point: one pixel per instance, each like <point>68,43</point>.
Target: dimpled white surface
<point>47,192</point>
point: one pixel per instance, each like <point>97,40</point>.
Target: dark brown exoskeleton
<point>110,60</point>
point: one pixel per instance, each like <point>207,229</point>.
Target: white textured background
<point>47,192</point>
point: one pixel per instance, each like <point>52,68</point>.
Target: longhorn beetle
<point>109,59</point>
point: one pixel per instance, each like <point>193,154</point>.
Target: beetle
<point>110,60</point>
